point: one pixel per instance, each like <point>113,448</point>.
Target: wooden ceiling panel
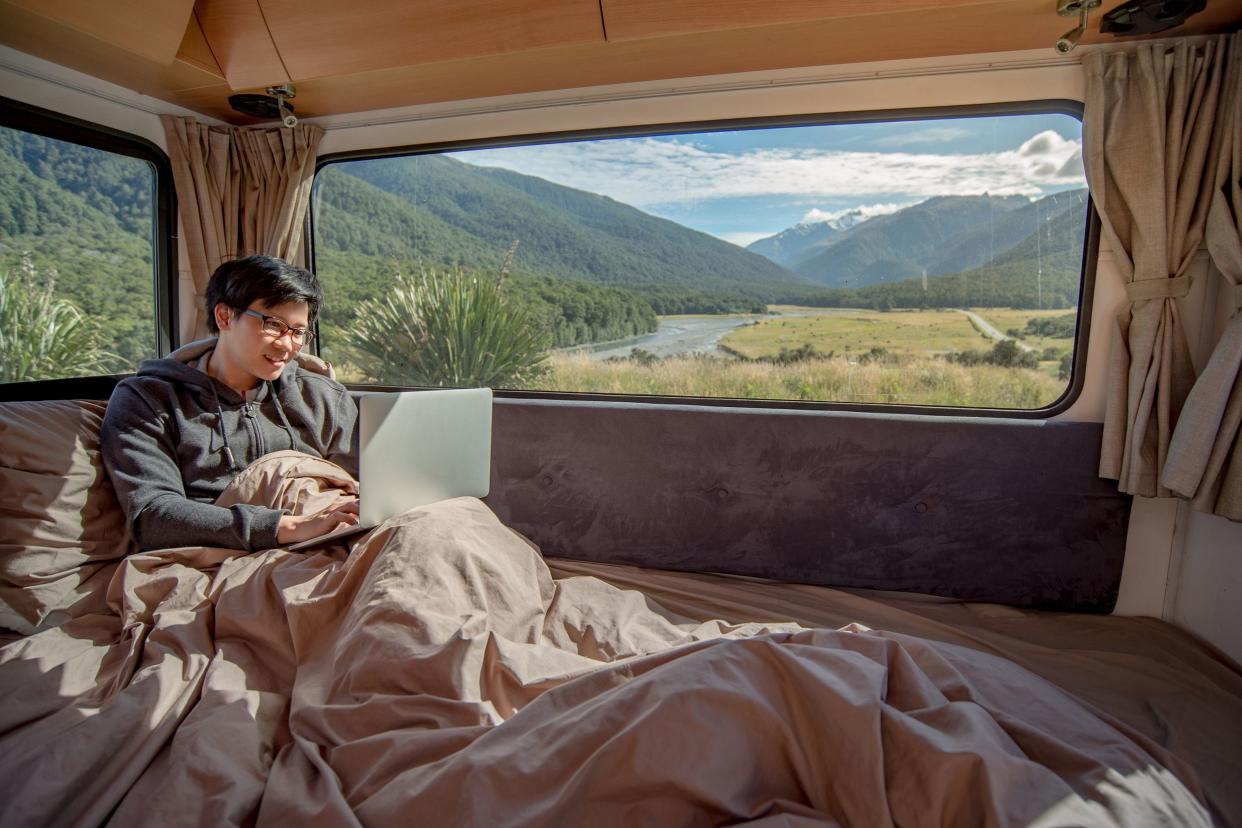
<point>36,35</point>
<point>238,36</point>
<point>632,19</point>
<point>194,80</point>
<point>150,28</point>
<point>997,27</point>
<point>195,50</point>
<point>322,38</point>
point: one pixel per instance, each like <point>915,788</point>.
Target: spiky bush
<point>42,337</point>
<point>447,329</point>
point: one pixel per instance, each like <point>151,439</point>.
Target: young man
<point>176,434</point>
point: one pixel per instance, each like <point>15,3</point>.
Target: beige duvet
<point>439,674</point>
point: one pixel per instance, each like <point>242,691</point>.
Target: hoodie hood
<point>180,366</point>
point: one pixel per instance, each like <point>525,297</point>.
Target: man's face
<point>251,341</point>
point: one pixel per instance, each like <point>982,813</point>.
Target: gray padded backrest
<point>1010,511</point>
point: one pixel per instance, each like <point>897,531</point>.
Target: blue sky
<point>743,185</point>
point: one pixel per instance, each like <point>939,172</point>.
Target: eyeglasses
<point>275,327</point>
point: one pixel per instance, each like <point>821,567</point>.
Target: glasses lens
<point>275,328</point>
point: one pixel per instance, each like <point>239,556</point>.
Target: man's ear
<point>224,316</point>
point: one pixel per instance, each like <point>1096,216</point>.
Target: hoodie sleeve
<point>139,454</point>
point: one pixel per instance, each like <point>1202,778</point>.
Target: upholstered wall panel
<point>1010,511</point>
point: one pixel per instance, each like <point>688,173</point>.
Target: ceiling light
<point>1068,8</point>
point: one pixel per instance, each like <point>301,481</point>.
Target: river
<point>674,335</point>
<point>691,334</point>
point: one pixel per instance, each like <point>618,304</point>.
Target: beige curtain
<point>207,177</point>
<point>1149,120</point>
<point>277,168</point>
<point>1205,456</point>
<point>239,191</point>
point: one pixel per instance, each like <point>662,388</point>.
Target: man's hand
<point>293,529</point>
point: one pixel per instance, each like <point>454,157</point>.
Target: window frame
<point>1051,106</point>
<point>47,123</point>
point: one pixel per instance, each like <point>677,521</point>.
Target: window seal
<point>1049,106</point>
<point>36,120</point>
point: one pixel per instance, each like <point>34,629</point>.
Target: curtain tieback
<point>1174,288</point>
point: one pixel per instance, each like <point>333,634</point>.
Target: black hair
<point>264,279</point>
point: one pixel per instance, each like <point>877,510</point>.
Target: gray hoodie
<point>173,438</point>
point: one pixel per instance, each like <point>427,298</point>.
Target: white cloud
<point>854,214</point>
<point>931,135</point>
<point>646,172</point>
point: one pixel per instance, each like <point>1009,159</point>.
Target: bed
<point>444,671</point>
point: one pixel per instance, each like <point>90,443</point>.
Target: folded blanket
<point>436,672</point>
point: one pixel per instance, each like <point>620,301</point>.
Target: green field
<point>857,331</point>
<point>911,381</point>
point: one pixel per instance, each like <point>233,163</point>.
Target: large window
<point>80,258</point>
<point>929,262</point>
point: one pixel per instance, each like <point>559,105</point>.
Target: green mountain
<point>470,215</point>
<point>83,217</point>
<point>894,247</point>
<point>978,245</point>
<point>804,240</point>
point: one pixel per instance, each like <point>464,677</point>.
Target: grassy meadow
<point>856,331</point>
<point>911,381</point>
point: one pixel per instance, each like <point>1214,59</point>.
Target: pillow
<point>61,527</point>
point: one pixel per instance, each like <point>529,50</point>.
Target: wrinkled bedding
<point>439,673</point>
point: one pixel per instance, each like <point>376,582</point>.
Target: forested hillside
<point>84,215</point>
<point>436,210</point>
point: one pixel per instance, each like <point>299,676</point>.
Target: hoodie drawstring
<point>224,432</point>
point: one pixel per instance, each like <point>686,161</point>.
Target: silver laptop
<point>416,448</point>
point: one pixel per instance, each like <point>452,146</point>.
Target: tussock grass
<point>43,336</point>
<point>913,381</point>
<point>447,329</point>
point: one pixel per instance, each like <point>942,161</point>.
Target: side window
<point>931,262</point>
<point>78,251</point>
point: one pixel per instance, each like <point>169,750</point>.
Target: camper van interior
<point>867,422</point>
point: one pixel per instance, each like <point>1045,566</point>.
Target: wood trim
<point>149,28</point>
<point>36,35</point>
<point>237,34</point>
<point>196,51</point>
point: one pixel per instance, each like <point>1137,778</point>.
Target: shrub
<point>639,355</point>
<point>447,328</point>
<point>1005,354</point>
<point>1050,354</point>
<point>42,337</point>
<point>1055,327</point>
